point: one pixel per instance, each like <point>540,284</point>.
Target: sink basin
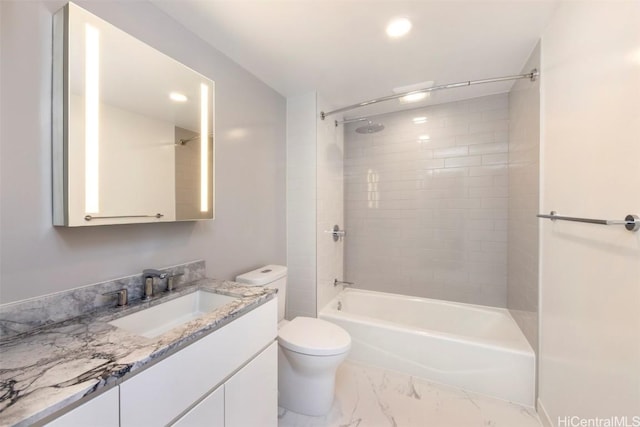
<point>156,320</point>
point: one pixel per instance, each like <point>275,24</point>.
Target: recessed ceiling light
<point>178,97</point>
<point>419,120</point>
<point>424,138</point>
<point>398,27</point>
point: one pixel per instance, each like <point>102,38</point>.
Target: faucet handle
<point>170,281</point>
<point>123,298</point>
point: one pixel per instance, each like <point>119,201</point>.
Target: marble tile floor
<point>372,397</point>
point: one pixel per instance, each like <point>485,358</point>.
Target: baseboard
<point>542,413</point>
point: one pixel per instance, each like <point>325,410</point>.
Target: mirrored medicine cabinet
<point>132,129</point>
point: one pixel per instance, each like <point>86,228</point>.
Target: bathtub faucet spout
<point>337,282</point>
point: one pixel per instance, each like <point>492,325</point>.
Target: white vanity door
<point>101,411</point>
<point>165,390</point>
<point>251,395</point>
<point>209,412</point>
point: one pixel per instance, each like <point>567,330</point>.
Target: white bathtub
<point>473,347</point>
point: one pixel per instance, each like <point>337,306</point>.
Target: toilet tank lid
<point>263,275</point>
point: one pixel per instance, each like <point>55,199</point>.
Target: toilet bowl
<point>309,351</point>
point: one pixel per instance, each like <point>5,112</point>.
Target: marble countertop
<point>48,369</point>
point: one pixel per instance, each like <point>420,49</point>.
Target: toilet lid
<point>315,337</point>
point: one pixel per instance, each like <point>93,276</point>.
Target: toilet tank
<point>273,276</point>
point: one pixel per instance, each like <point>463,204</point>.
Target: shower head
<point>370,127</point>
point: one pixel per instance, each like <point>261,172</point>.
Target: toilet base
<point>306,384</point>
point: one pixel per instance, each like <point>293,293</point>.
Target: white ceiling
<point>340,49</point>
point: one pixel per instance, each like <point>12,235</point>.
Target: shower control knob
<point>336,233</point>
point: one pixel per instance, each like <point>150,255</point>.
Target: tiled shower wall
<point>426,202</point>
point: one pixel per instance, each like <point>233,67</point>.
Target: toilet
<point>309,350</point>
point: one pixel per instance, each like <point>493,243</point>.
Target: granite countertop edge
<point>51,368</point>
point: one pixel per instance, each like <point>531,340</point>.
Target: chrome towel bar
<point>89,217</point>
<point>630,222</point>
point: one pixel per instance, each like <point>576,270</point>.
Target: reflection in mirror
<point>133,129</point>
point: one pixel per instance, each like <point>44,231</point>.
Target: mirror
<point>133,129</point>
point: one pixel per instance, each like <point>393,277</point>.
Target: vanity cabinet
<point>169,389</point>
<point>209,412</point>
<point>228,378</point>
<point>251,395</point>
<point>248,398</point>
<point>101,411</point>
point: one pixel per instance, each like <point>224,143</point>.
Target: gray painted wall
<point>249,229</point>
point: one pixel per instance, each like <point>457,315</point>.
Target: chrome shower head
<point>370,127</point>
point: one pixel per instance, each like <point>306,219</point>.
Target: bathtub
<point>473,347</point>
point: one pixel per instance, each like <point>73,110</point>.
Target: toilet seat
<point>315,337</point>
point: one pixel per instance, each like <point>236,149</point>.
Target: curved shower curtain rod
<point>531,76</point>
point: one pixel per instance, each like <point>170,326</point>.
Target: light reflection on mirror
<point>237,133</point>
<point>204,147</point>
<point>178,97</point>
<point>92,111</point>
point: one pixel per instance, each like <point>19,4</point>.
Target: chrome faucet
<point>147,281</point>
<point>337,282</point>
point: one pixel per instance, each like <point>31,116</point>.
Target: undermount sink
<point>156,320</point>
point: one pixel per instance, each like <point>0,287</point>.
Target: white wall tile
<point>428,217</point>
<point>495,159</point>
<point>463,161</point>
<point>451,152</point>
<point>491,148</point>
